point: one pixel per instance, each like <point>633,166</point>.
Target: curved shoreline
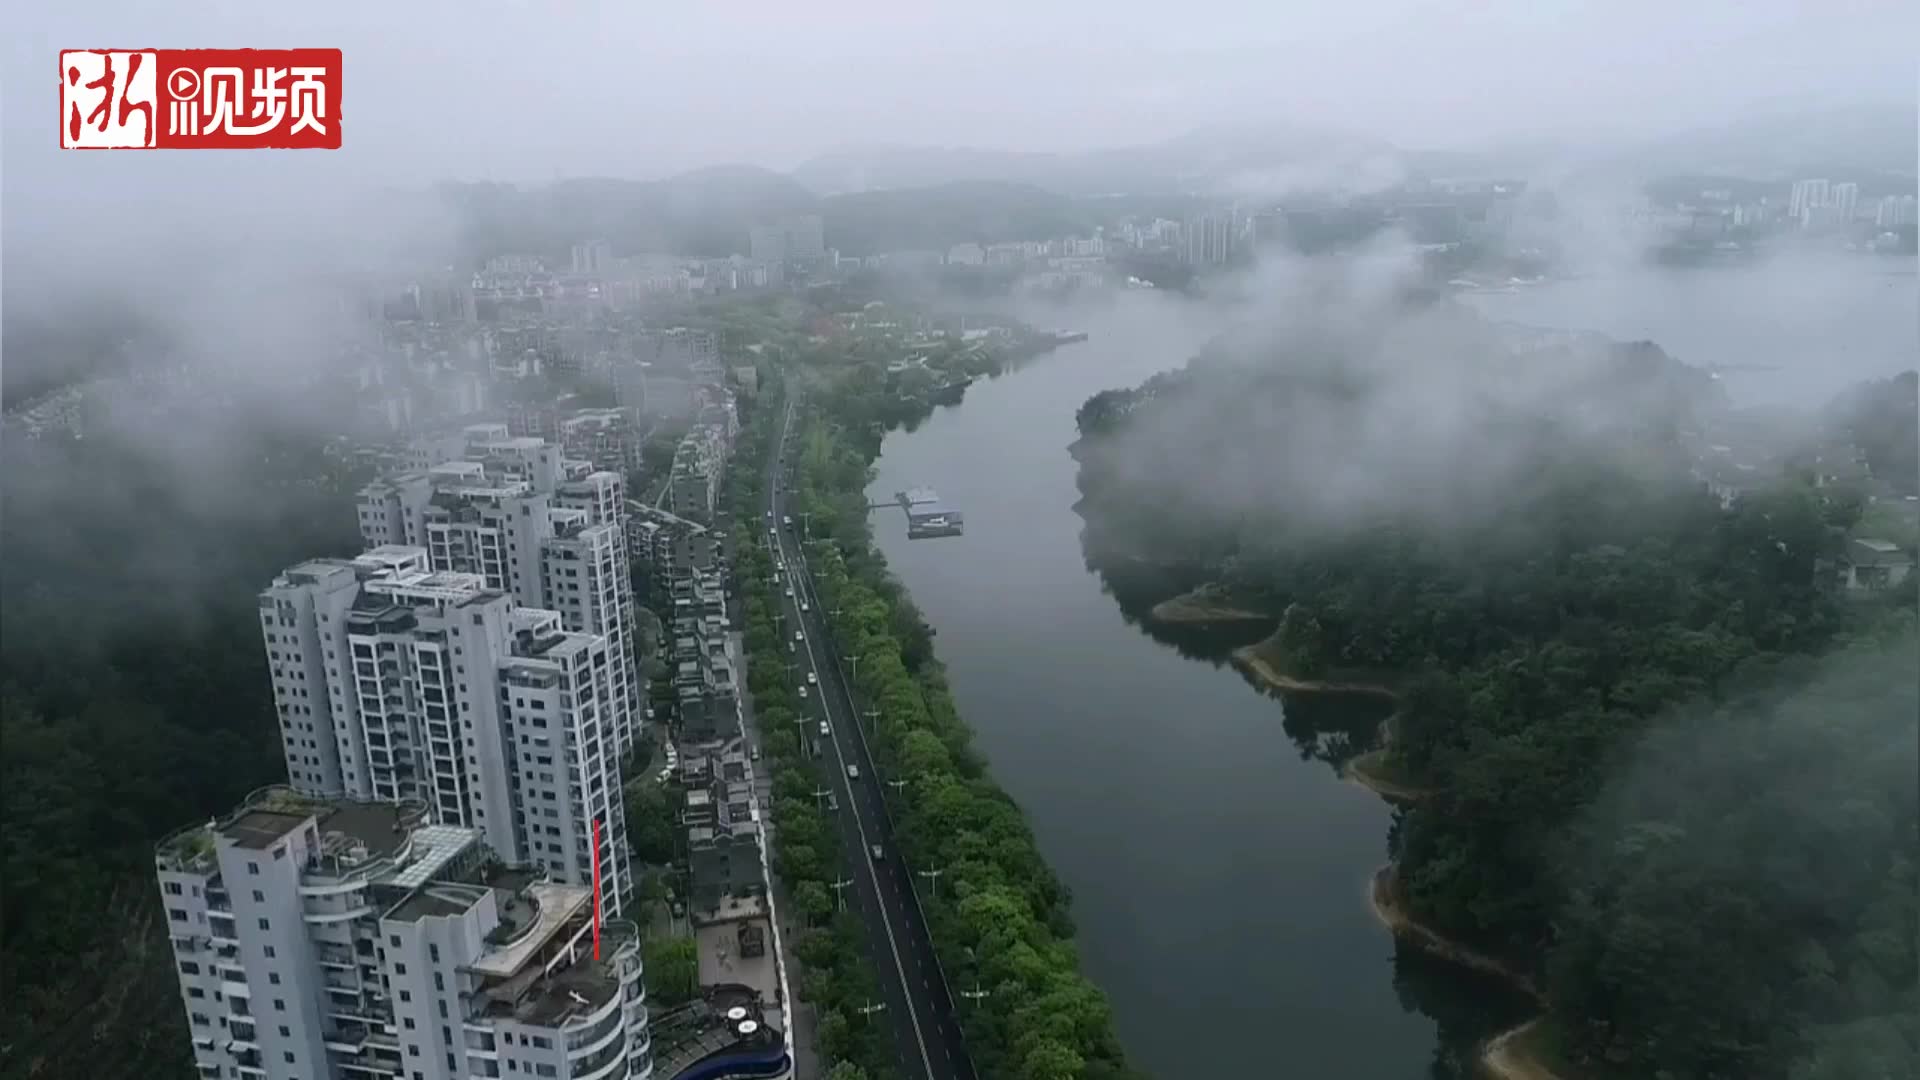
<point>1383,898</point>
<point>1502,1057</point>
<point>1199,607</point>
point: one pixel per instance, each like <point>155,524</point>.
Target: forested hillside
<point>1611,691</point>
<point>134,700</point>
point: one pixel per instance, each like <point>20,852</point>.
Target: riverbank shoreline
<point>1363,769</point>
<point>1384,899</point>
<point>1507,1055</point>
<point>1201,606</point>
<point>1259,662</point>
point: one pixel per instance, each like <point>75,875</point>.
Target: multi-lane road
<point>914,1005</point>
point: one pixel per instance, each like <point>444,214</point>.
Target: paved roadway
<point>917,1010</point>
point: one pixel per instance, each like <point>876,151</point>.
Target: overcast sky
<point>524,91</point>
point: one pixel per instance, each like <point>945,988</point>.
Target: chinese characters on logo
<point>200,99</point>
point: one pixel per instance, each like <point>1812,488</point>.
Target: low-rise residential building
<point>722,826</point>
<point>700,462</point>
<point>606,438</point>
<point>1874,564</point>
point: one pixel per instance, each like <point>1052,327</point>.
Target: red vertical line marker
<point>596,888</point>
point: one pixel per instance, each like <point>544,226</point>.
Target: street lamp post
<point>839,898</point>
<point>871,715</point>
<point>933,876</point>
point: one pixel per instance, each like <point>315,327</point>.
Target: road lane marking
<point>846,783</point>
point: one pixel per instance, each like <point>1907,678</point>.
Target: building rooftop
<point>437,900</point>
<point>553,906</point>
<point>579,987</point>
<point>350,833</point>
<point>259,829</point>
<point>1873,552</point>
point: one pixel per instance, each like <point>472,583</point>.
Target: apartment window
<point>264,926</point>
<point>399,969</point>
<point>289,1057</point>
<point>173,888</point>
<point>279,1005</point>
<point>269,951</point>
<point>544,1070</point>
<point>199,1019</point>
<point>393,940</point>
<point>406,995</point>
<point>433,953</point>
<point>443,1007</point>
<point>253,868</point>
<point>196,992</point>
<point>259,897</point>
<point>407,1022</point>
<point>189,967</point>
<point>412,1050</point>
<point>273,977</point>
<point>176,914</point>
<point>286,1032</point>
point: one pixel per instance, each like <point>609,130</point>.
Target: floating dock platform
<point>927,516</point>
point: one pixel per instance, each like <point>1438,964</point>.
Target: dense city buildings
<point>595,257</point>
<point>1209,241</point>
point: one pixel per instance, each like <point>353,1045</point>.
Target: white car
<point>803,693</point>
<point>803,603</point>
<point>799,636</point>
<point>790,596</point>
<point>813,679</point>
<point>824,730</point>
<point>853,772</point>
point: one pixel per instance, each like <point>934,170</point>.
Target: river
<point>1219,874</point>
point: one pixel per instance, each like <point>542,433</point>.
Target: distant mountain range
<point>1275,160</point>
<point>1203,162</point>
<point>1834,142</point>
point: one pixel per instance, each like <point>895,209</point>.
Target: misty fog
<point>1580,474</point>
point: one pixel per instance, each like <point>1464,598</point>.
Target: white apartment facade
<point>397,682</point>
<point>522,518</point>
<point>338,940</point>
